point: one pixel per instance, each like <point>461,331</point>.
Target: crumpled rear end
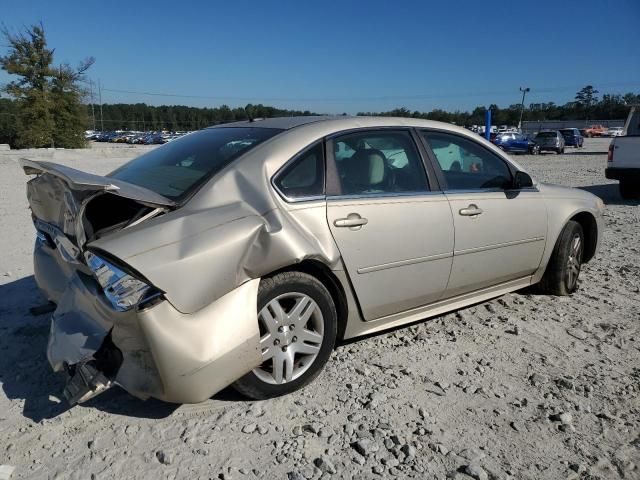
<point>155,351</point>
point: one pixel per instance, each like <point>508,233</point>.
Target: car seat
<point>365,171</point>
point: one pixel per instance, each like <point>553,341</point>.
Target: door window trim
<point>333,186</point>
<point>291,161</point>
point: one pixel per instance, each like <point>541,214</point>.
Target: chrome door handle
<point>352,220</point>
<point>471,211</point>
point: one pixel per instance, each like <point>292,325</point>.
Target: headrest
<point>367,167</point>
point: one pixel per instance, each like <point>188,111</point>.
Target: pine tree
<point>69,114</point>
<point>587,96</point>
<point>30,59</point>
<point>49,99</point>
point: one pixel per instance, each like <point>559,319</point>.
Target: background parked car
<point>572,137</point>
<point>615,131</point>
<point>515,143</point>
<point>550,140</point>
<point>595,131</point>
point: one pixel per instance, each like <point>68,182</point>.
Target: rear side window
<point>466,165</point>
<point>180,166</point>
<point>378,162</point>
<point>304,176</point>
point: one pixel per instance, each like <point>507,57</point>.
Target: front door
<point>394,234</point>
<point>500,232</point>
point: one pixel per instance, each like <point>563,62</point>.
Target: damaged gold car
<point>239,254</point>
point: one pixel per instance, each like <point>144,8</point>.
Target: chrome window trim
<point>310,198</point>
<point>366,196</point>
<point>491,190</point>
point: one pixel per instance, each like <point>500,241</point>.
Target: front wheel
<point>298,327</point>
<point>535,150</point>
<point>563,269</point>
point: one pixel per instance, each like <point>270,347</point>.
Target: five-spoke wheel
<point>292,329</point>
<point>563,269</point>
<point>298,325</point>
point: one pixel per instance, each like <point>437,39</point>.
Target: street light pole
<point>524,92</point>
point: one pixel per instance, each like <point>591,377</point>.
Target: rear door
<point>499,232</point>
<point>394,232</point>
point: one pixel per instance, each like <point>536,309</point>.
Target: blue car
<point>572,137</point>
<point>515,143</point>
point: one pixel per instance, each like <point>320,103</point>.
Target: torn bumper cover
<point>154,351</point>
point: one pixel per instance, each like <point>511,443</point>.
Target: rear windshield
<point>547,135</point>
<point>181,165</point>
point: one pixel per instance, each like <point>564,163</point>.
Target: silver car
<point>240,254</point>
<point>550,140</point>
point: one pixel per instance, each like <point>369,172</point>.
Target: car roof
<point>282,123</point>
<point>341,123</point>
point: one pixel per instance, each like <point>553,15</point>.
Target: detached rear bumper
<point>613,173</point>
<point>157,351</point>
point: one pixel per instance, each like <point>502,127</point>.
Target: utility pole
<point>524,91</point>
<point>100,100</point>
<point>93,113</point>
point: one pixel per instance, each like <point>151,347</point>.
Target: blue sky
<point>344,56</point>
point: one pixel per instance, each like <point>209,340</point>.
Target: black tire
<point>535,150</point>
<point>251,385</point>
<point>559,277</point>
<point>629,191</point>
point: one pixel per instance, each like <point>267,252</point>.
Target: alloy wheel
<point>291,335</point>
<point>574,261</point>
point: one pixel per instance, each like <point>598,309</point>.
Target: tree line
<point>586,106</point>
<point>140,116</point>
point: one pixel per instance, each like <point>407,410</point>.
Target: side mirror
<point>522,180</point>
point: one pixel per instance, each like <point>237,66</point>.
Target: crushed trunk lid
<point>59,197</point>
<point>87,182</point>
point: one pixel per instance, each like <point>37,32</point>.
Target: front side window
<point>180,166</point>
<point>304,177</point>
<point>466,165</point>
<point>375,162</point>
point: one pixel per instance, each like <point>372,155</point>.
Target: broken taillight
<point>124,291</point>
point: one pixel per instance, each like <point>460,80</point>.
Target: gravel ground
<point>525,386</point>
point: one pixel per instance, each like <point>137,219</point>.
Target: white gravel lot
<point>526,386</point>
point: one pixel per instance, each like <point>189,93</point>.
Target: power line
<point>534,90</point>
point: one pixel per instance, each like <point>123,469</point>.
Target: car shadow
<point>581,152</point>
<point>609,193</point>
<point>25,373</point>
<point>26,376</point>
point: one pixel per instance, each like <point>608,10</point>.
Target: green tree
<point>49,98</point>
<point>69,114</point>
<point>30,59</point>
<point>586,97</point>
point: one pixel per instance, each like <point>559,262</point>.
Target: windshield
<point>176,168</point>
<point>547,135</point>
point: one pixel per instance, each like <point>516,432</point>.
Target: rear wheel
<point>535,150</point>
<point>563,269</point>
<point>298,327</point>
